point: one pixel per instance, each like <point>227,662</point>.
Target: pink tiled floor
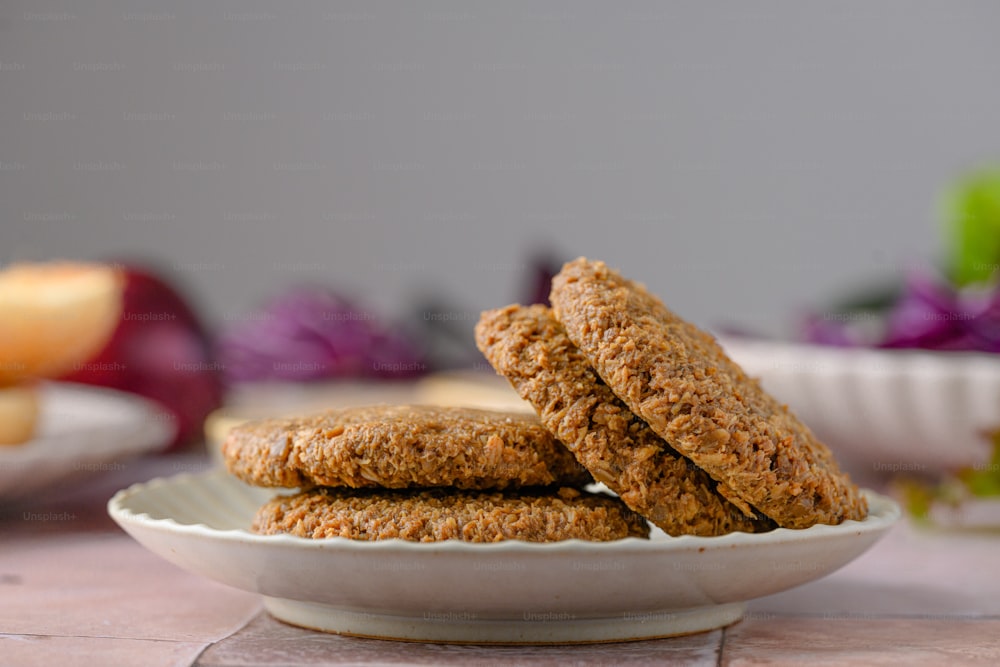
<point>268,642</point>
<point>79,591</point>
<point>104,586</point>
<point>42,650</point>
<point>862,641</point>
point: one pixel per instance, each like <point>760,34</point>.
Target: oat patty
<point>678,379</point>
<point>439,514</point>
<point>401,447</point>
<point>530,348</point>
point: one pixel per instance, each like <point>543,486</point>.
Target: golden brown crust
<point>436,515</point>
<point>678,379</point>
<point>531,349</point>
<point>402,446</point>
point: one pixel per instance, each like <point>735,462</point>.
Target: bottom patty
<point>433,515</point>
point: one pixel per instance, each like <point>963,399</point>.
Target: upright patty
<point>678,380</point>
<point>531,349</point>
<point>402,446</point>
<point>432,515</point>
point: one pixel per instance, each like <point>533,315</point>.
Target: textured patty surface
<point>400,447</point>
<point>530,348</point>
<point>679,381</point>
<point>433,515</point>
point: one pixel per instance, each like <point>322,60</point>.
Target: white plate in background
<point>81,430</point>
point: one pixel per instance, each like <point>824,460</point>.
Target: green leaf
<point>917,498</point>
<point>971,212</point>
<point>984,480</point>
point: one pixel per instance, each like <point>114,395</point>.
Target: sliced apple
<point>18,413</point>
<point>55,316</point>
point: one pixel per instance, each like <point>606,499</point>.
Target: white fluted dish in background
<point>884,411</point>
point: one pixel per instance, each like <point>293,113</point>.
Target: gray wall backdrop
<point>743,159</point>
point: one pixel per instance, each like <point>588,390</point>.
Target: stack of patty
<point>654,408</point>
<point>423,474</point>
<point>626,392</point>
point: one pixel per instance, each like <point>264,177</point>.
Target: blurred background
<point>745,162</point>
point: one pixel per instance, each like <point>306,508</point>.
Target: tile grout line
<point>208,645</point>
<point>722,647</point>
<point>863,616</point>
<point>50,635</point>
<point>197,658</point>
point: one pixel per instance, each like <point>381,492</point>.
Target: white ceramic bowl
<point>504,592</point>
<point>884,411</point>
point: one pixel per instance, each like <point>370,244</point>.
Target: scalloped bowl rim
<point>883,513</point>
<point>894,359</point>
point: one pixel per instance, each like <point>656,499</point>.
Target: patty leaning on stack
<point>423,474</point>
<point>642,400</point>
<point>653,374</point>
<point>530,348</point>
